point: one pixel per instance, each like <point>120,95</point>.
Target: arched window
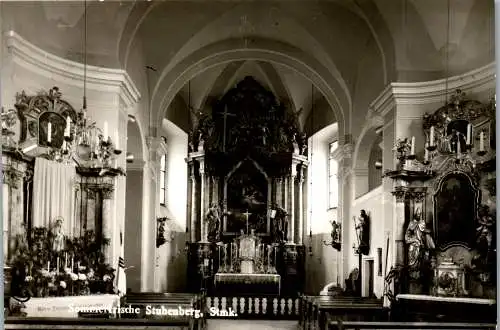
<point>333,169</point>
<point>163,179</point>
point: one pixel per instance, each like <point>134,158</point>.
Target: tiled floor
<point>251,325</point>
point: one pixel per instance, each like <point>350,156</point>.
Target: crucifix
<point>225,114</point>
<point>247,214</point>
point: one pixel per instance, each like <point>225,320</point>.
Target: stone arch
<point>135,205</point>
<point>331,86</point>
<point>361,156</point>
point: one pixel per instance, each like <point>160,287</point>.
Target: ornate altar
<point>37,133</point>
<point>247,163</point>
<point>445,204</point>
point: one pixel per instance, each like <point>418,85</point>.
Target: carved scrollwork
<point>11,176</point>
<point>107,192</point>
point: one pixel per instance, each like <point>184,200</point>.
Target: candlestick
<point>412,149</point>
<point>105,131</point>
<point>431,137</point>
<point>459,145</point>
<point>481,141</point>
<point>469,134</point>
<point>49,132</point>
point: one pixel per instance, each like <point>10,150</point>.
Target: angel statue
<point>58,237</point>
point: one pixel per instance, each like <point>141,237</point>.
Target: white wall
<point>171,261</point>
<point>323,266</point>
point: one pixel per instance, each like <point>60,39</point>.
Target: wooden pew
<point>318,310</point>
<point>152,305</point>
<point>28,323</point>
<point>356,325</point>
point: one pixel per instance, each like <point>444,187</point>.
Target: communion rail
<point>253,307</point>
<point>29,323</point>
<point>353,325</point>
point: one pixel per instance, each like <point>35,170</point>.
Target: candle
<point>426,153</point>
<point>72,260</point>
<point>459,145</point>
<point>48,266</point>
<point>65,260</point>
<point>105,131</point>
<point>49,132</point>
<point>431,137</point>
<point>412,149</point>
<point>481,141</point>
<point>469,134</point>
<point>57,265</point>
<point>67,130</point>
<point>117,137</point>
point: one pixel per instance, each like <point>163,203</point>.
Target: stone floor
<point>251,325</point>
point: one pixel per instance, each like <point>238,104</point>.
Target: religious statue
<point>336,235</point>
<point>419,240</point>
<point>213,223</point>
<point>280,223</point>
<point>58,238</point>
<point>363,232</point>
<point>485,230</point>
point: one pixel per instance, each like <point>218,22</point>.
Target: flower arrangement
<point>78,269</point>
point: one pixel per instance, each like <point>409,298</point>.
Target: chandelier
<point>83,140</point>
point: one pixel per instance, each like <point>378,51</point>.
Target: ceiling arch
<point>265,50</point>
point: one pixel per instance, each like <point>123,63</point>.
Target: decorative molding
<point>54,67</point>
<point>432,91</point>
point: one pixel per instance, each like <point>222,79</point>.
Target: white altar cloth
<point>70,306</point>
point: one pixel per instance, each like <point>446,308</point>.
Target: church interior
<point>233,164</point>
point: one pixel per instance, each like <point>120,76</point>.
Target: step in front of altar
<point>252,307</point>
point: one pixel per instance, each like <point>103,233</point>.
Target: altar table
<point>247,284</point>
<point>70,306</point>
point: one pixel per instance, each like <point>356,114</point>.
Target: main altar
<point>246,202</point>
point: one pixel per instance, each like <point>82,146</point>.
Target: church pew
<point>28,323</point>
<point>148,300</point>
<point>317,309</point>
<point>356,325</point>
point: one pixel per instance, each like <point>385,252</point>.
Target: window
<point>163,179</point>
<point>333,169</point>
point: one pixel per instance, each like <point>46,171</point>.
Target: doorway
<point>368,288</point>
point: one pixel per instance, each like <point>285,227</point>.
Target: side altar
<point>246,195</point>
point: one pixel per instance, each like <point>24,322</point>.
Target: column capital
<point>417,194</point>
<point>400,194</point>
<point>156,144</point>
<point>107,192</point>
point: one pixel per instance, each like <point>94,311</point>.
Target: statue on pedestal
<point>280,223</point>
<point>58,237</point>
<point>419,240</point>
<point>213,223</point>
<point>363,232</point>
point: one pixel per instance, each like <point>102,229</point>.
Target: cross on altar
<point>225,114</point>
<point>247,215</point>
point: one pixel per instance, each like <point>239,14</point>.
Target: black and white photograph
<point>248,164</point>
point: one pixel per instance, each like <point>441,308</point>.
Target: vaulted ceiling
<point>349,50</point>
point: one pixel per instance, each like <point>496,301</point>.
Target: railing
<point>261,307</point>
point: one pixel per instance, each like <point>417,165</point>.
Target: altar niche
<point>247,192</point>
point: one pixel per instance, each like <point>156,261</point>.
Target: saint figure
<point>419,240</point>
<point>363,232</point>
<point>58,237</point>
<point>213,222</point>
